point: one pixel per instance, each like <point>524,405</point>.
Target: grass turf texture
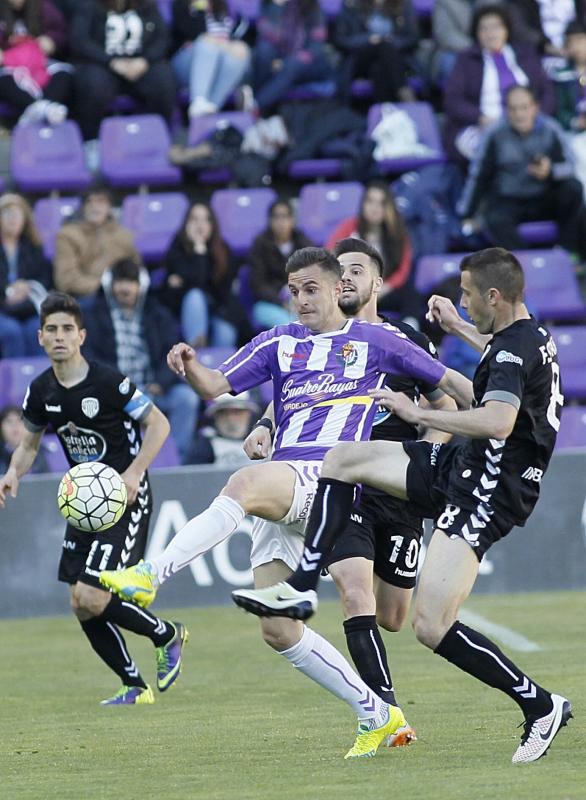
<point>242,725</point>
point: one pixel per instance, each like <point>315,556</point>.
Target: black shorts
<point>381,530</point>
<point>85,555</point>
<point>427,488</point>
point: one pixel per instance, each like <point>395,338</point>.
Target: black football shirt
<point>95,420</point>
<point>519,366</point>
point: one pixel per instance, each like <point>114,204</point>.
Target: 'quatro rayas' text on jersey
<point>321,380</point>
<point>96,420</point>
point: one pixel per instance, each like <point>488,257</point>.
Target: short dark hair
<point>308,256</point>
<point>97,190</point>
<point>125,269</point>
<point>517,87</point>
<point>496,268</point>
<point>354,245</point>
<point>575,28</point>
<point>494,9</point>
<point>281,201</point>
<point>61,302</point>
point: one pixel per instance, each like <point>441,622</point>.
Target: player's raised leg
<point>436,626</point>
<point>265,490</point>
<point>380,464</point>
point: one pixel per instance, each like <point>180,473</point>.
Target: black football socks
<point>479,657</point>
<point>329,516</point>
<point>369,655</point>
<point>107,641</point>
<point>138,620</point>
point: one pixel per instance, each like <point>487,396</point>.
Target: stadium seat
<point>201,128</point>
<point>154,220</point>
<point>331,8</point>
<point>47,158</point>
<point>212,357</point>
<point>542,232</point>
<point>432,270</point>
<point>428,134</point>
<point>134,150</point>
<point>247,9</point>
<point>423,8</point>
<point>323,205</point>
<point>571,345</point>
<point>50,213</point>
<point>552,290</point>
<point>165,10</point>
<point>168,455</point>
<point>572,431</point>
<point>15,376</point>
<point>242,215</point>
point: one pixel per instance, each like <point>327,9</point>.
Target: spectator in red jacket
<point>380,224</point>
<point>33,37</point>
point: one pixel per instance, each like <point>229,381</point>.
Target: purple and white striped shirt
<point>321,380</point>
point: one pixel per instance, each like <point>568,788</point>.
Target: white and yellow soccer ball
<point>92,496</point>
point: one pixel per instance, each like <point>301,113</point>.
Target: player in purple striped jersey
<point>322,368</point>
<point>476,491</point>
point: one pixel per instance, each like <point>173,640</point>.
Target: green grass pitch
<point>241,724</point>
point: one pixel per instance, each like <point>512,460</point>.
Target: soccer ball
<point>92,496</point>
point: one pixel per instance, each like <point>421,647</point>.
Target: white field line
<point>508,637</point>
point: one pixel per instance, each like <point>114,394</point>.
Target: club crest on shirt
<point>90,406</point>
<point>348,355</point>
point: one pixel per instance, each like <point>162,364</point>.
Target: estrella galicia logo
<point>82,444</point>
<point>348,355</point>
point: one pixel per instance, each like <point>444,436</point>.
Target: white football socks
<point>212,526</point>
<point>319,660</point>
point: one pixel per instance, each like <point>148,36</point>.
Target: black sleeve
<point>33,408</point>
<point>430,391</point>
<point>122,394</point>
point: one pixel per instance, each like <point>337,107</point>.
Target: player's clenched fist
<point>179,356</point>
<point>258,443</point>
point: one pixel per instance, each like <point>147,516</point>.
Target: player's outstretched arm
<point>457,386</point>
<point>208,383</point>
<point>156,429</point>
<point>442,310</point>
<point>20,463</point>
<point>257,444</point>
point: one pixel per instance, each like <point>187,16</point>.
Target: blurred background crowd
<point>161,159</point>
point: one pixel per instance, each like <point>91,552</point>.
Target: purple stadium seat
<point>54,454</point>
<point>423,8</point>
<point>165,10</point>
<point>47,158</point>
<point>248,9</point>
<point>134,150</point>
<point>542,232</point>
<point>50,213</point>
<point>428,134</point>
<point>571,344</point>
<point>331,8</point>
<point>168,456</point>
<point>201,128</point>
<point>432,270</point>
<point>323,205</point>
<point>212,357</point>
<point>310,168</point>
<point>15,376</point>
<point>242,215</point>
<point>572,431</point>
<point>551,287</point>
<point>153,219</point>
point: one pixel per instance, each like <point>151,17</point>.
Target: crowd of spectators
<point>507,82</point>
